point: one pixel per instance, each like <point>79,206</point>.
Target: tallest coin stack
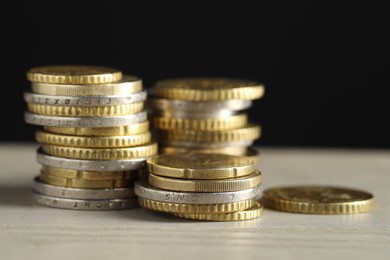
<point>95,136</point>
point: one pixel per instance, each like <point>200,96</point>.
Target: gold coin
<point>195,208</point>
<point>136,152</point>
<point>132,129</point>
<point>202,124</point>
<point>128,85</point>
<point>85,184</point>
<point>89,175</point>
<point>225,185</point>
<point>246,133</point>
<point>200,166</point>
<point>252,213</point>
<point>114,110</point>
<point>63,74</point>
<point>317,200</point>
<point>93,142</point>
<point>250,152</point>
<point>208,89</point>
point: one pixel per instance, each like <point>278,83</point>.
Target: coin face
<point>74,74</point>
<point>205,83</point>
<point>318,199</point>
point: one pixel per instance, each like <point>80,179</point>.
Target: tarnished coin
<point>62,74</point>
<point>318,200</point>
<point>200,166</point>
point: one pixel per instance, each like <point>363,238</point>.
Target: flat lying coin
<point>252,213</point>
<point>200,166</point>
<point>89,175</point>
<point>317,200</point>
<point>74,74</point>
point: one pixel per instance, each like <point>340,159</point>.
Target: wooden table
<point>30,231</point>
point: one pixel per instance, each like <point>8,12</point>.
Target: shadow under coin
<point>16,196</point>
<point>152,216</point>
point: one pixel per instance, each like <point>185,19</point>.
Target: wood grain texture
<point>30,231</point>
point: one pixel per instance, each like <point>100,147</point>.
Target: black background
<point>325,66</point>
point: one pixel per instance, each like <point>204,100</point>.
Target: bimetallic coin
<point>135,152</point>
<point>87,194</point>
<point>201,124</point>
<point>196,208</point>
<point>146,191</point>
<point>318,200</point>
<point>89,175</point>
<point>93,142</point>
<point>89,122</point>
<point>252,213</point>
<point>89,165</point>
<point>208,89</point>
<point>86,204</point>
<point>131,129</point>
<point>64,74</point>
<point>84,101</point>
<point>234,184</point>
<point>125,87</point>
<point>99,111</point>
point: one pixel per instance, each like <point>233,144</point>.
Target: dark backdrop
<point>325,66</point>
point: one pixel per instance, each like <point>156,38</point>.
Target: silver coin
<point>107,121</point>
<point>83,204</point>
<point>206,145</point>
<point>89,165</point>
<point>146,191</point>
<point>84,101</point>
<point>188,109</point>
<point>74,193</point>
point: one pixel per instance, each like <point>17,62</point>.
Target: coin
<point>85,204</point>
<point>201,124</point>
<point>252,213</point>
<point>68,111</point>
<point>232,150</point>
<point>200,166</point>
<point>136,152</point>
<point>233,184</point>
<point>64,74</point>
<point>195,208</point>
<point>318,200</point>
<point>208,89</point>
<point>89,175</point>
<point>125,87</point>
<point>130,129</point>
<point>93,142</point>
<point>75,193</point>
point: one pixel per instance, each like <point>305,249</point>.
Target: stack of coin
<point>205,115</point>
<point>95,136</point>
<point>214,187</point>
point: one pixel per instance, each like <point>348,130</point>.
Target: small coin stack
<point>95,136</point>
<point>205,115</point>
<point>213,187</point>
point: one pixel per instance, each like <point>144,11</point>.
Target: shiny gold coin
<point>128,85</point>
<point>93,142</point>
<point>201,124</point>
<point>208,89</point>
<point>195,208</point>
<point>89,175</point>
<point>200,166</point>
<point>252,213</point>
<point>317,200</point>
<point>63,74</point>
<point>85,184</point>
<point>132,129</point>
<point>114,110</point>
<point>225,185</point>
<point>143,151</point>
<point>246,133</point>
<point>240,151</point>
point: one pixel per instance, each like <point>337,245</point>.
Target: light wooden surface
<point>30,231</point>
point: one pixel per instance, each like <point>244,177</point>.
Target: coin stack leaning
<point>213,187</point>
<point>205,115</point>
<point>95,136</point>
